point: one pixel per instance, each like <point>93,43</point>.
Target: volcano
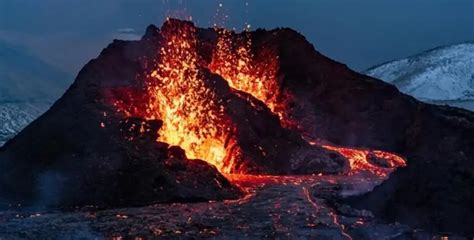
<point>133,126</point>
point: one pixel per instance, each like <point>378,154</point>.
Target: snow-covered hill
<point>15,116</point>
<point>443,75</point>
<point>28,86</point>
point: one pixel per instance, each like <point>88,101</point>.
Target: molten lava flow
<point>192,115</point>
<point>362,160</point>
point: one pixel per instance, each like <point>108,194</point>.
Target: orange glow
<point>178,94</point>
<point>234,60</point>
<point>193,116</point>
<point>360,160</point>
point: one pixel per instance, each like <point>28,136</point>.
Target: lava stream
<point>364,160</point>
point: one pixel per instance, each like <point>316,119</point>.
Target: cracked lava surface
<point>280,207</point>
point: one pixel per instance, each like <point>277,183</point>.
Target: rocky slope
<point>435,190</point>
<point>443,75</point>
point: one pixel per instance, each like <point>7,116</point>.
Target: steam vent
<point>180,114</point>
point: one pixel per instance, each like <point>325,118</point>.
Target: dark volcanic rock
<point>436,190</point>
<point>267,148</point>
<point>333,103</point>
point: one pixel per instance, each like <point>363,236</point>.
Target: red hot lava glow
<point>193,117</point>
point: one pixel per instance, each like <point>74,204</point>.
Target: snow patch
<point>16,116</point>
<point>441,74</point>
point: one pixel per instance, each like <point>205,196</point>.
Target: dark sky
<point>360,33</point>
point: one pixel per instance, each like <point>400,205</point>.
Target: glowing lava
<point>234,61</point>
<point>364,160</point>
<point>254,73</point>
<point>191,113</point>
<point>178,93</point>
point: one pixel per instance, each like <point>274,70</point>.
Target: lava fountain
<point>191,113</point>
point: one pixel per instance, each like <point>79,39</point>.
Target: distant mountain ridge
<point>28,86</point>
<point>24,77</point>
<point>444,75</point>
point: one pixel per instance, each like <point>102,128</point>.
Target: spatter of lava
<point>193,117</point>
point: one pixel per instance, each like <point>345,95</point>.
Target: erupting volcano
<point>194,110</point>
<point>191,115</point>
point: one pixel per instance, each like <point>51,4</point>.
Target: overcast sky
<point>360,33</point>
